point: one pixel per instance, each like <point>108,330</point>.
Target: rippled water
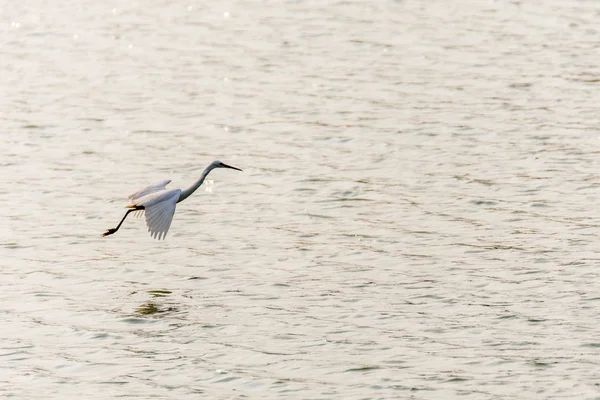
<point>417,216</point>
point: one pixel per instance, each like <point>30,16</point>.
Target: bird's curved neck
<point>187,192</point>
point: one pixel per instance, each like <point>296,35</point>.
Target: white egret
<point>158,203</point>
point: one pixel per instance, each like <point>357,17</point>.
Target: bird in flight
<point>158,203</point>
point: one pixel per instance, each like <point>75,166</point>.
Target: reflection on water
<point>416,216</point>
<point>152,308</point>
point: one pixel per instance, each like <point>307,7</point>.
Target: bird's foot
<point>109,232</point>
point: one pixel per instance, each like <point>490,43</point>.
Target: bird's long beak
<point>229,166</point>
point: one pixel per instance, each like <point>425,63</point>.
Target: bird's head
<point>220,164</point>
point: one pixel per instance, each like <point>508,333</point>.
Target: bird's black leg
<point>113,230</point>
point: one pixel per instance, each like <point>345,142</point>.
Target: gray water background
<point>417,216</point>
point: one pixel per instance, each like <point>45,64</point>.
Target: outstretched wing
<point>159,213</point>
<point>146,191</point>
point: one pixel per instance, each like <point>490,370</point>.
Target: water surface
<point>417,216</point>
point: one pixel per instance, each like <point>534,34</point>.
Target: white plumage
<point>150,189</point>
<point>158,203</point>
<point>159,208</point>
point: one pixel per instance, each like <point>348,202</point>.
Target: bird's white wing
<point>159,213</point>
<point>147,190</point>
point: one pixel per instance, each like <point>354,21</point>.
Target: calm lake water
<point>417,216</point>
